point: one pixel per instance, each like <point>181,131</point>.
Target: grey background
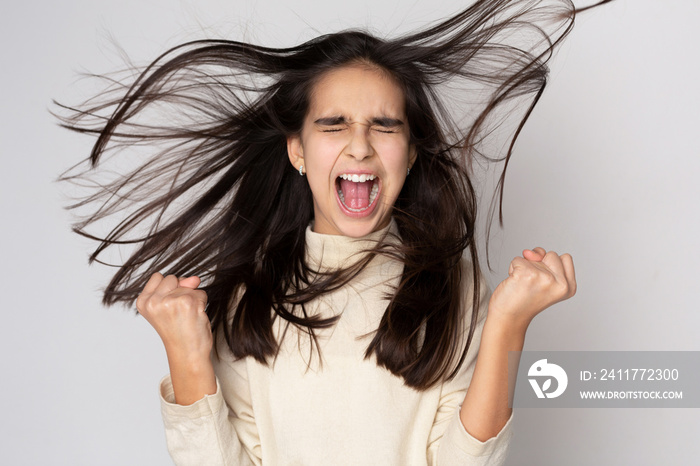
<point>607,170</point>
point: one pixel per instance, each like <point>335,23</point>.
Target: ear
<point>412,154</point>
<point>295,151</point>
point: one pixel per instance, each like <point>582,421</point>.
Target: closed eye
<point>332,124</point>
<point>387,125</point>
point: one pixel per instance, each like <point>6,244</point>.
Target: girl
<point>311,207</point>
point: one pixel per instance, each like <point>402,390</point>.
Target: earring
<point>408,171</point>
<point>301,170</point>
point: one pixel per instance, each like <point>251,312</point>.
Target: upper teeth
<point>357,178</point>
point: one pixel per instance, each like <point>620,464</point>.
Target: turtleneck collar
<point>336,251</point>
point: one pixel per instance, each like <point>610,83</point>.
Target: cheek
<point>319,159</point>
<point>321,154</point>
<point>394,158</point>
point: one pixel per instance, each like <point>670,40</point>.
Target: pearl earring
<point>301,170</point>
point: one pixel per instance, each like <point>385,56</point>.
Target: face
<point>354,146</point>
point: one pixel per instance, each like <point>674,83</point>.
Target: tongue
<point>356,194</point>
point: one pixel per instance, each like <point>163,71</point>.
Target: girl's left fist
<point>535,281</point>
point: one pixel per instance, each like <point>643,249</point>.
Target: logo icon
<point>547,371</point>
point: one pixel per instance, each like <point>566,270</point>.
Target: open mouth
<point>357,192</point>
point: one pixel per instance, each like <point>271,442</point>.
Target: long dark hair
<point>217,197</point>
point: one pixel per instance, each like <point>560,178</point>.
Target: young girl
<point>311,207</point>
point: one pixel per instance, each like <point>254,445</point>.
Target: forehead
<point>357,91</point>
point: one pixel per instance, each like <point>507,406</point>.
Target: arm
<point>449,443</point>
<point>200,428</point>
<point>535,281</point>
<point>205,432</point>
<point>175,309</point>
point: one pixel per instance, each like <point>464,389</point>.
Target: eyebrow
<point>385,122</point>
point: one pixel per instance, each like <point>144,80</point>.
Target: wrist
<point>188,362</point>
<point>192,379</point>
<point>512,323</point>
<point>505,332</point>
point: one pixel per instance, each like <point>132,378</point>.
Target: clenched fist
<point>535,281</point>
<point>175,309</point>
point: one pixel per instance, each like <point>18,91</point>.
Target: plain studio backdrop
<point>607,169</point>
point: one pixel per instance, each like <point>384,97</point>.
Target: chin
<point>357,231</point>
<point>357,228</point>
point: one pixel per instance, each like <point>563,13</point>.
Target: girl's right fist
<point>175,309</point>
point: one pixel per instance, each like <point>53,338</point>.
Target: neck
<point>336,251</point>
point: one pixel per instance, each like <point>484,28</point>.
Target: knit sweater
<point>337,409</point>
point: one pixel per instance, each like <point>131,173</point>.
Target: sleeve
<point>208,432</point>
<point>449,442</point>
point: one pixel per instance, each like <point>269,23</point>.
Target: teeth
<point>357,178</point>
<point>372,196</point>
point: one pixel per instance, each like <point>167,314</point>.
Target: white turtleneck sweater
<point>345,410</point>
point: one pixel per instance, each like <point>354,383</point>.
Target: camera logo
<point>547,371</point>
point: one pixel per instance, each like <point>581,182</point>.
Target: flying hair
<point>210,190</point>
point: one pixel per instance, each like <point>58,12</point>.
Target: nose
<point>359,146</point>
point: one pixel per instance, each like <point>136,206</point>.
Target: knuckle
<point>140,306</point>
<point>179,303</point>
<point>188,301</point>
<point>144,300</point>
<point>563,289</point>
<point>168,303</point>
<point>549,281</point>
